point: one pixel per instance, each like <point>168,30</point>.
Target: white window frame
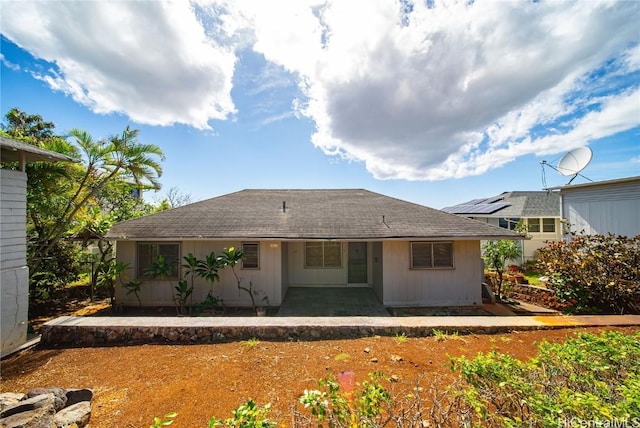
<point>323,245</point>
<point>141,266</point>
<point>432,255</point>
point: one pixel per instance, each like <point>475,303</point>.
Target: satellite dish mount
<point>573,162</point>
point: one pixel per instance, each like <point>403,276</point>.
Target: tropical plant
<point>231,257</point>
<point>161,269</point>
<point>496,254</point>
<point>134,287</point>
<point>211,302</point>
<point>190,266</point>
<point>595,271</point>
<point>208,269</point>
<point>183,291</point>
<point>247,415</point>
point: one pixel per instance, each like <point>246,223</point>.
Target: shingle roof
<point>10,152</point>
<point>511,204</point>
<point>307,214</point>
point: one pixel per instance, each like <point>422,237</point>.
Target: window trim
<point>324,260</point>
<point>139,268</point>
<point>538,224</point>
<point>432,264</point>
<point>553,223</point>
<point>257,266</point>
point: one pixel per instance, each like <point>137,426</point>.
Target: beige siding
<point>376,269</point>
<point>459,286</point>
<point>14,274</point>
<point>267,279</point>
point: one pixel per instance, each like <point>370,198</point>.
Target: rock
<point>9,399</point>
<point>77,415</point>
<point>77,395</point>
<point>60,395</point>
<point>37,418</point>
<point>42,401</point>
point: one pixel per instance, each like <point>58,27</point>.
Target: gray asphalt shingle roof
<point>308,214</point>
<point>513,204</point>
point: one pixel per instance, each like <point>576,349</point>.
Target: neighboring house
<point>539,211</point>
<point>410,255</point>
<point>602,207</point>
<point>14,273</point>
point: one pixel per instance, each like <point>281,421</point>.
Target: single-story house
<point>539,211</point>
<point>409,254</point>
<point>602,207</point>
<point>14,273</point>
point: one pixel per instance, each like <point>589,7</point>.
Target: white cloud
<point>9,64</point>
<point>440,89</point>
<point>455,89</point>
<point>149,60</point>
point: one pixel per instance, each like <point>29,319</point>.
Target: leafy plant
<point>190,266</point>
<point>208,269</point>
<point>134,287</point>
<point>250,343</point>
<point>496,254</point>
<point>163,422</point>
<point>595,271</point>
<point>183,291</point>
<point>588,377</point>
<point>401,338</point>
<point>247,415</point>
<point>231,257</point>
<point>210,302</point>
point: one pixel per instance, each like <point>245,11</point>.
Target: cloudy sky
<point>436,102</point>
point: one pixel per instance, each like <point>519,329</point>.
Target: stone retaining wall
<point>537,295</point>
<point>61,335</point>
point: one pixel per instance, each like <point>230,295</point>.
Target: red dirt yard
<point>132,384</point>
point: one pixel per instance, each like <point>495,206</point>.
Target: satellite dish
<point>575,161</point>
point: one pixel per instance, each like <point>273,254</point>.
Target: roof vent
<point>284,206</point>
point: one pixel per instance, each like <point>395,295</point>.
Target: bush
<point>588,378</point>
<point>595,271</point>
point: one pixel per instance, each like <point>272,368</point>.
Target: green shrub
<point>595,271</point>
<point>587,378</point>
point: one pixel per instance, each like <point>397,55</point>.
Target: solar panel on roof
<point>494,199</point>
<point>475,209</point>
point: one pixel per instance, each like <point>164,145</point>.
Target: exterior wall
<point>460,286</point>
<point>284,270</point>
<point>377,270</point>
<point>267,280</point>
<point>299,276</point>
<point>14,274</point>
<point>602,209</point>
<point>537,239</point>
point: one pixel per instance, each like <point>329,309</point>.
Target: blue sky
<point>437,103</point>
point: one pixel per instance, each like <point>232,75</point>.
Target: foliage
<point>163,422</point>
<point>601,271</point>
<point>77,201</point>
<point>134,287</point>
<point>248,415</point>
<point>231,257</point>
<point>183,291</point>
<point>211,302</point>
<point>208,268</point>
<point>340,404</point>
<point>496,254</point>
<point>588,377</point>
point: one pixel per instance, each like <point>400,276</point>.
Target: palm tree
<point>119,156</point>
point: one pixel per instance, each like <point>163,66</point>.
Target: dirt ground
<point>132,384</point>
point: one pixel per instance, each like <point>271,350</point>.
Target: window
<point>549,225</point>
<point>251,255</point>
<point>323,254</point>
<point>148,253</point>
<point>508,223</point>
<point>431,255</point>
<point>533,225</point>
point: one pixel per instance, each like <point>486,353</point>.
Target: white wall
<point>602,209</point>
<point>14,274</point>
<point>460,286</point>
<point>267,279</point>
<point>299,276</point>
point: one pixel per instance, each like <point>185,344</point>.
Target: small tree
<point>231,257</point>
<point>496,254</point>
